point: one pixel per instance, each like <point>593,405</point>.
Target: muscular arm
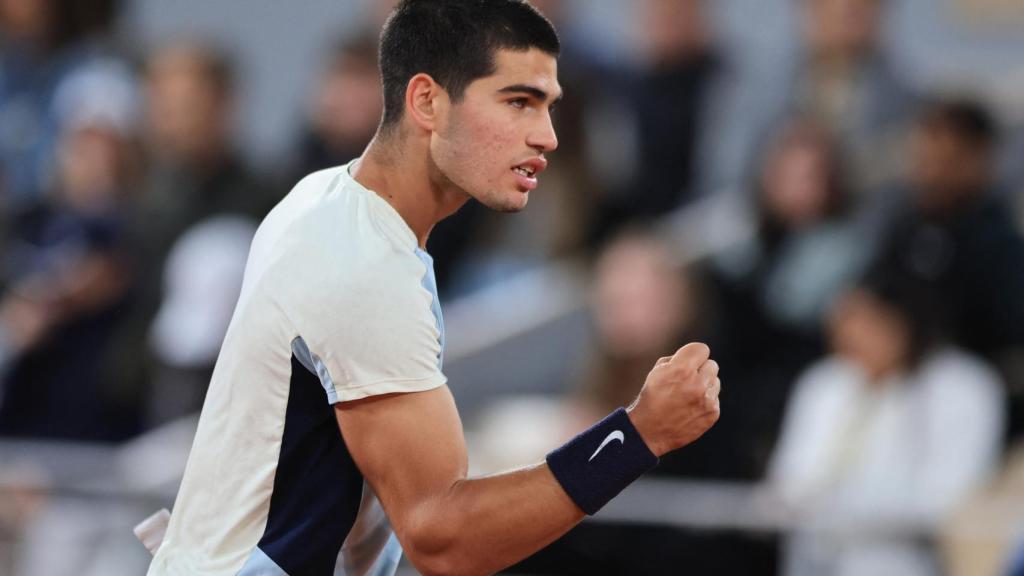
<point>411,450</point>
<point>416,463</point>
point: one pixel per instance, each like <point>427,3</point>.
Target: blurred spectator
<point>345,109</point>
<point>65,271</point>
<point>193,173</point>
<point>772,292</point>
<point>883,438</point>
<point>643,307</point>
<point>843,80</point>
<point>202,280</point>
<point>663,99</point>
<point>195,168</point>
<point>957,236</point>
<point>41,43</point>
<point>806,248</point>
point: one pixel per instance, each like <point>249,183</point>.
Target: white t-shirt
<point>338,303</point>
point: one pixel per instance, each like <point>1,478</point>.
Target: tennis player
<point>329,441</point>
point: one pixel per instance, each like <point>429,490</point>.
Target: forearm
<point>482,525</point>
<point>448,524</point>
<point>492,522</point>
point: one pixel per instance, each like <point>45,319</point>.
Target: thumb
<point>693,355</point>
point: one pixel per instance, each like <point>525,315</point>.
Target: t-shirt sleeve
<point>383,337</point>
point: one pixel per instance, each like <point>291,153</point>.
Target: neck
<point>399,170</point>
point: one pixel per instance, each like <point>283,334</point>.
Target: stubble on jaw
<point>440,180</point>
<point>493,200</point>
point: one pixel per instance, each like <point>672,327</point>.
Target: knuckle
<point>712,414</point>
<point>684,372</point>
<point>695,387</point>
<point>708,380</point>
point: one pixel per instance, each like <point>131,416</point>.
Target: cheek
<point>477,149</point>
<point>490,153</point>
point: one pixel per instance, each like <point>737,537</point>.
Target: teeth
<point>524,171</point>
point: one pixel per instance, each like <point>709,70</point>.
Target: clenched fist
<point>679,400</point>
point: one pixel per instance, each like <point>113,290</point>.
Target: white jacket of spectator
<point>870,470</point>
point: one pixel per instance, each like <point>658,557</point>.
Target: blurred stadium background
<point>829,192</point>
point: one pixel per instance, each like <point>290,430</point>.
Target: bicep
<point>409,448</point>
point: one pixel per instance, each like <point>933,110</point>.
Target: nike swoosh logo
<point>615,435</point>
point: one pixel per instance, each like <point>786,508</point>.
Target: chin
<point>508,203</point>
<point>513,208</point>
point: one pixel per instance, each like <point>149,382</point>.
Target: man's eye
<point>518,103</point>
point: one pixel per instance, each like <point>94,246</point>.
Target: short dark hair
<point>915,300</point>
<point>454,41</point>
<point>966,119</point>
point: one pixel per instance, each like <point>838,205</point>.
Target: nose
<point>543,137</point>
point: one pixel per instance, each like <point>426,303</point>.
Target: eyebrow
<point>531,90</point>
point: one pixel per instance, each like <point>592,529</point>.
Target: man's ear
<point>425,101</point>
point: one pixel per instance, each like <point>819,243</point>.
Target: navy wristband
<point>596,465</point>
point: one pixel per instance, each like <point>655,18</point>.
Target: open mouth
<point>527,171</point>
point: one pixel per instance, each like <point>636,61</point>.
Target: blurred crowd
<point>866,307</point>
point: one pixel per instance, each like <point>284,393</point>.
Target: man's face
<point>188,117</point>
<point>491,144</point>
<point>348,103</point>
<point>796,188</point>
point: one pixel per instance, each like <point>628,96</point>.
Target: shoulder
<point>329,224</point>
<point>356,281</point>
<point>953,370</point>
<point>951,379</point>
<point>330,244</point>
<point>954,386</point>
